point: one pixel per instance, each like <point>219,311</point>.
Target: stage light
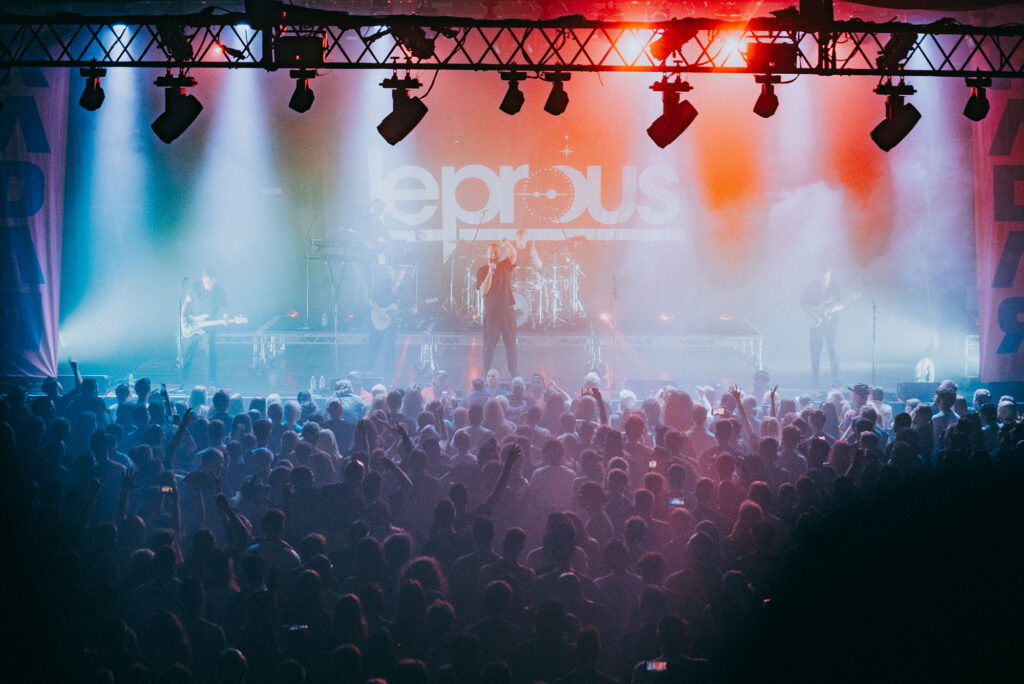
<point>172,39</point>
<point>676,116</point>
<point>673,38</point>
<point>977,105</point>
<point>180,108</point>
<point>895,51</point>
<point>92,94</point>
<point>605,317</point>
<point>771,57</point>
<point>900,116</point>
<point>514,98</point>
<point>302,98</point>
<point>406,111</point>
<point>415,40</point>
<point>665,317</point>
<point>558,99</point>
<point>768,101</point>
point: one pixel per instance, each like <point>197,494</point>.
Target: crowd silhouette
<point>520,533</point>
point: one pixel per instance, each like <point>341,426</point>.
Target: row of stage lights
<point>182,108</point>
<point>766,59</point>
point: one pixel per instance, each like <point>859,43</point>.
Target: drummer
<point>528,257</point>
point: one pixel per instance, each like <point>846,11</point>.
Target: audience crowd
<point>519,533</point>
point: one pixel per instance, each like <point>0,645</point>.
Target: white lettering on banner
<point>385,187</point>
<point>452,211</point>
<point>651,193</point>
<point>668,196</point>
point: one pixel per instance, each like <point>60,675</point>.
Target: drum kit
<point>546,298</point>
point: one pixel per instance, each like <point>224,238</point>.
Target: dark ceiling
<point>628,10</point>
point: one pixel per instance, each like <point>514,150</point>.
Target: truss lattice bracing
<point>569,44</point>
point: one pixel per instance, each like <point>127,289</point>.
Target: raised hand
<point>734,390</point>
<point>128,481</point>
<point>222,503</point>
<point>775,391</point>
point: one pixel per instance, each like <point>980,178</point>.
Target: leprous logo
<point>543,196</point>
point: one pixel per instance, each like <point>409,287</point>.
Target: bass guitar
<point>197,325</point>
<point>383,316</point>
<point>825,312</point>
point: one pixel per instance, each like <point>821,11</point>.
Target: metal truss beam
<point>570,44</point>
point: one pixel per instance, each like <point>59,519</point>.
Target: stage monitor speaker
<point>925,391</point>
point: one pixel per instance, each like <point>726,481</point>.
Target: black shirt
<point>212,302</point>
<point>500,293</point>
<point>386,293</point>
<point>816,295</point>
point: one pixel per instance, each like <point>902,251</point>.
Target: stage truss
<point>570,44</point>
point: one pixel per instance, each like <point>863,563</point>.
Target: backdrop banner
<point>999,231</point>
<point>33,132</point>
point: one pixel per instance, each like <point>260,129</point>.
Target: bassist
<point>205,301</point>
<point>821,301</point>
<point>391,297</point>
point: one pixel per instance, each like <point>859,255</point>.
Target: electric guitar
<point>197,325</point>
<point>828,310</point>
<point>383,316</point>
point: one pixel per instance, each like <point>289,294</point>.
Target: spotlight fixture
<point>180,108</point>
<point>771,57</point>
<point>977,105</point>
<point>172,39</point>
<point>558,99</point>
<point>415,40</point>
<point>302,98</point>
<point>406,111</point>
<point>768,101</point>
<point>92,94</point>
<point>514,98</point>
<point>673,38</point>
<point>896,50</point>
<point>900,116</point>
<point>676,115</point>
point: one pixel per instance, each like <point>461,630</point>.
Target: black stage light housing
<point>92,95</point>
<point>406,112</point>
<point>900,119</point>
<point>180,108</point>
<point>900,116</point>
<point>514,98</point>
<point>302,97</point>
<point>977,105</point>
<point>676,116</point>
<point>558,99</point>
<point>767,101</point>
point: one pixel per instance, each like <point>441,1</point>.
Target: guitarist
<point>821,301</point>
<point>393,297</point>
<point>205,298</point>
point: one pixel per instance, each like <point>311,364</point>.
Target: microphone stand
<point>309,230</point>
<point>180,362</point>
<point>615,332</point>
<point>874,327</point>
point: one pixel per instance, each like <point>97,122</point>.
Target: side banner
<point>33,130</point>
